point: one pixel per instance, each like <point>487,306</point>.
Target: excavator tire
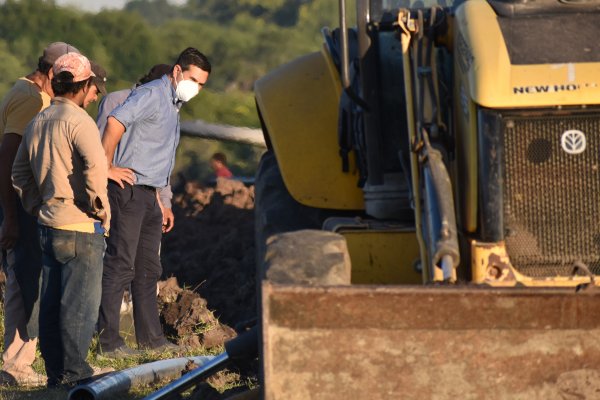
<point>276,211</point>
<point>307,257</point>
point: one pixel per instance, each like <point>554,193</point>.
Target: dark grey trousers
<point>132,258</point>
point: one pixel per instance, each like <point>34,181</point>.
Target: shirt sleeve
<point>21,112</point>
<point>106,106</point>
<point>141,104</point>
<point>86,140</point>
<point>104,109</point>
<point>24,181</point>
<point>165,194</point>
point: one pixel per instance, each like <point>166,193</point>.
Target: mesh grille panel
<point>551,198</point>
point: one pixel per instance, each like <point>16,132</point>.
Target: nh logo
<point>573,141</point>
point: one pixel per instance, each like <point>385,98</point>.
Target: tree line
<point>243,39</point>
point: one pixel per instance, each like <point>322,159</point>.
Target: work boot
<point>7,380</point>
<point>167,348</point>
<point>98,372</point>
<point>120,352</point>
<point>22,377</point>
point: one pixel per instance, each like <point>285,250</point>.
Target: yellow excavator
<point>428,210</point>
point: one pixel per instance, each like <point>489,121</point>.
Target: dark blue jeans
<point>25,259</point>
<point>70,298</point>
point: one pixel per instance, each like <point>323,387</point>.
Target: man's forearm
<point>112,135</point>
<point>165,195</point>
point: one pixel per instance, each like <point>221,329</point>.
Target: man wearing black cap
<point>99,84</point>
<point>18,235</point>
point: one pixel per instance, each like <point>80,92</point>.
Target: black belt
<point>146,187</point>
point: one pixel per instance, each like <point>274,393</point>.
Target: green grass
<point>226,379</point>
<point>117,364</point>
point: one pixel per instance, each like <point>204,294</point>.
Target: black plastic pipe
<point>244,346</point>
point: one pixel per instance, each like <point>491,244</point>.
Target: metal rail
<point>202,129</point>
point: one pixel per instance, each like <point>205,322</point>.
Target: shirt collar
<point>174,99</point>
<point>64,100</point>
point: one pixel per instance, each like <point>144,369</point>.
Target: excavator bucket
<point>405,342</point>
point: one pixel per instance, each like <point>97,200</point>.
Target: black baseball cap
<point>100,78</point>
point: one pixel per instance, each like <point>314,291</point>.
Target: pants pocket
<point>119,197</point>
<point>62,246</point>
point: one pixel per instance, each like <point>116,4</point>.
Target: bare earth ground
<point>211,252</point>
<point>209,287</point>
<point>211,249</point>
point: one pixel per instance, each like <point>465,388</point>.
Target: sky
<point>97,5</point>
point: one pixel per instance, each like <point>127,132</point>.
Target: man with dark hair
<point>22,259</point>
<point>99,84</point>
<point>191,57</point>
<point>114,99</point>
<point>146,129</point>
<point>60,173</point>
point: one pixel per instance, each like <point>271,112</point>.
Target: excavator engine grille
<point>552,193</point>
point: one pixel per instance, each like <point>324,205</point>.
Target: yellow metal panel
<point>494,82</point>
<point>383,257</point>
<point>299,105</point>
<point>491,266</point>
<point>465,167</point>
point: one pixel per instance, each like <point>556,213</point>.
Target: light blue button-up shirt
<point>151,119</point>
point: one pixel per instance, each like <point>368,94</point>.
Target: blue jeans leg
<point>71,289</point>
<point>25,260</point>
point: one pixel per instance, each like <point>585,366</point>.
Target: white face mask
<point>186,89</point>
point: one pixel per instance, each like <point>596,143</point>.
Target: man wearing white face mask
<point>140,140</point>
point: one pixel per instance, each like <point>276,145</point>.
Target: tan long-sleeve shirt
<point>60,171</point>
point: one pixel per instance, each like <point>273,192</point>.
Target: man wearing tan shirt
<point>60,173</point>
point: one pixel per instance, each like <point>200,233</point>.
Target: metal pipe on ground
<point>202,129</point>
<point>244,346</point>
<point>121,381</point>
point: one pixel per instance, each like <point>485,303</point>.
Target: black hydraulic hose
<point>244,346</point>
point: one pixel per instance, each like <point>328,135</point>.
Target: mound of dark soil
<point>184,315</point>
<point>208,264</point>
<point>211,248</point>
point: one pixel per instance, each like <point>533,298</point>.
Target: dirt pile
<point>211,252</point>
<point>184,315</point>
<point>208,267</point>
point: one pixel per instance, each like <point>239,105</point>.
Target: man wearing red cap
<point>60,173</point>
<point>18,236</point>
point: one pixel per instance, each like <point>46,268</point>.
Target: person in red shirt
<point>218,163</point>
